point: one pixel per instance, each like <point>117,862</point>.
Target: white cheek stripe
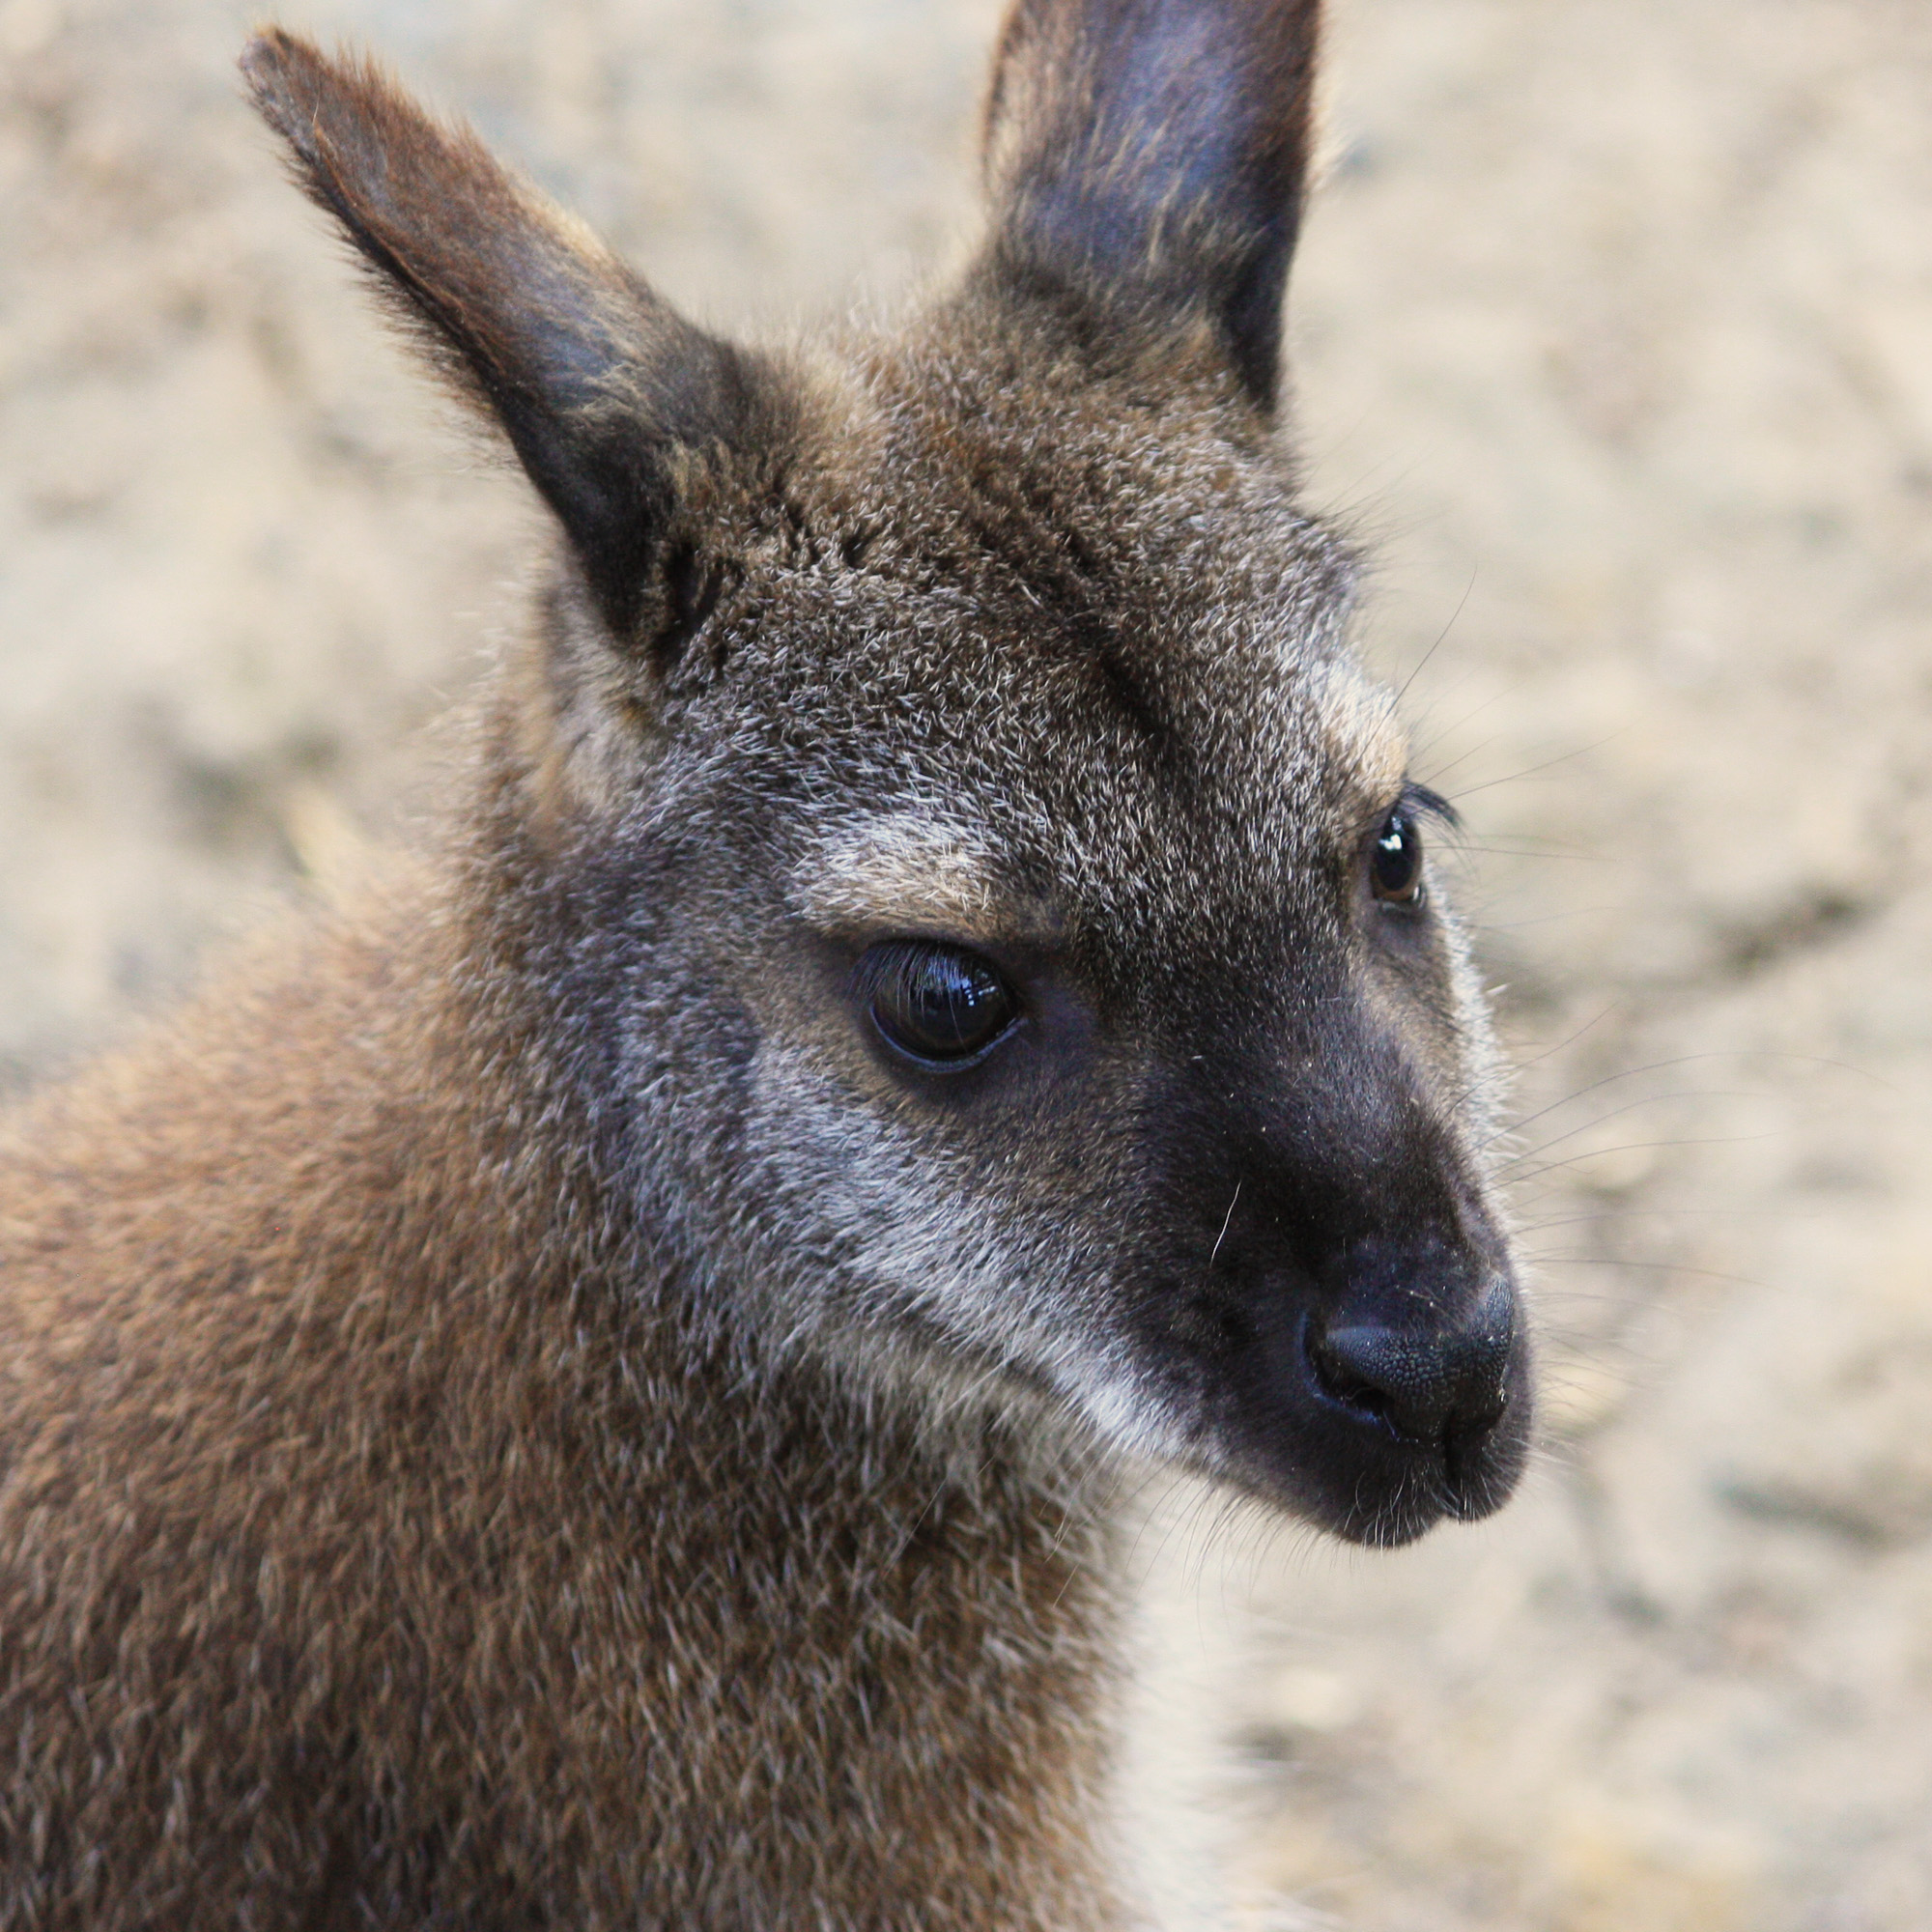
<point>1036,1307</point>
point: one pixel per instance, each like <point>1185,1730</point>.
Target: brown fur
<point>522,1409</point>
<point>337,1577</point>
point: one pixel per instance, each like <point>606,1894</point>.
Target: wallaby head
<point>984,902</point>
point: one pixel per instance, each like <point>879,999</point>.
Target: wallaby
<point>590,1388</point>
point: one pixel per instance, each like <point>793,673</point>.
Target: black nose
<point>1431,1385</point>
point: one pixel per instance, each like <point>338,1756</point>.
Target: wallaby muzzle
<point>1343,1306</point>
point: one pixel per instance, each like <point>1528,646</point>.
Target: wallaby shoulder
<point>364,1485</point>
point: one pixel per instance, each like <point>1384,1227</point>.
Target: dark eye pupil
<point>1395,862</point>
<point>937,1002</point>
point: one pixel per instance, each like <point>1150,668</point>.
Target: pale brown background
<point>1613,328</point>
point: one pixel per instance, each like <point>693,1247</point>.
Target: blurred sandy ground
<point>1613,331</point>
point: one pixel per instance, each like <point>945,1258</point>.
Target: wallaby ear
<point>602,390</point>
<point>1147,161</point>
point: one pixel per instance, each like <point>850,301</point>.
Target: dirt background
<point>1613,331</point>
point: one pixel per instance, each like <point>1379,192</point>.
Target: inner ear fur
<point>610,398</point>
<point>1147,161</point>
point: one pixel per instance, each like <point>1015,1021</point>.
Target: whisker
<point>1422,662</point>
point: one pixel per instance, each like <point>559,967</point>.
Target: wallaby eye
<point>937,1004</point>
<point>1395,862</point>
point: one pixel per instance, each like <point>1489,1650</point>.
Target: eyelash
<point>1419,802</point>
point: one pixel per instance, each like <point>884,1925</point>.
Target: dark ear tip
<point>286,75</point>
<point>270,54</point>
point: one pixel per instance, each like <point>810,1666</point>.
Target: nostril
<point>1427,1385</point>
<point>1397,1378</point>
<point>1340,1381</point>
